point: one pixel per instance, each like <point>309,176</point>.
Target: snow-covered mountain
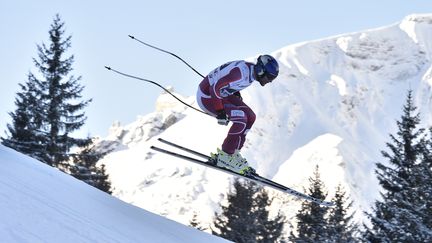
<point>40,204</point>
<point>334,104</point>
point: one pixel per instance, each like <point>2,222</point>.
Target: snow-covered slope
<point>333,105</point>
<point>40,204</point>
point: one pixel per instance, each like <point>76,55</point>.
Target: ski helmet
<point>266,69</point>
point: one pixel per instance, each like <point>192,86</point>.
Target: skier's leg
<point>250,121</point>
<point>242,118</point>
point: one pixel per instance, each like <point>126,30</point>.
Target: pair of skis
<point>256,178</point>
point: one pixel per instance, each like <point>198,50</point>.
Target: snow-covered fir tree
<point>341,226</point>
<point>311,218</point>
<point>246,219</point>
<point>403,214</point>
<point>43,128</point>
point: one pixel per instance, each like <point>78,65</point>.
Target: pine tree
<point>23,132</point>
<point>43,128</point>
<point>340,225</point>
<point>311,219</point>
<point>425,187</point>
<point>85,168</point>
<point>236,222</point>
<point>268,230</point>
<point>401,215</point>
<point>246,219</point>
<point>60,92</point>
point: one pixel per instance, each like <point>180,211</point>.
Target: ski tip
<point>131,36</point>
<point>107,67</point>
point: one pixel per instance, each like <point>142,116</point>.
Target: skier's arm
<point>221,88</point>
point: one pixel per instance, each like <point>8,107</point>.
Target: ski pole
<point>162,50</point>
<point>155,83</point>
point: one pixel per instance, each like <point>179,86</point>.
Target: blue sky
<point>204,33</point>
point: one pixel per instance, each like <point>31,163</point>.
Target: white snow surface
<point>41,204</point>
<point>334,105</point>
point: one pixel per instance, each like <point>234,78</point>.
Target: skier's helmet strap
<point>267,68</point>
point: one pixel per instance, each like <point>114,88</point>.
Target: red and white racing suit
<point>216,92</point>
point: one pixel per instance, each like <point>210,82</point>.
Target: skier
<point>219,94</point>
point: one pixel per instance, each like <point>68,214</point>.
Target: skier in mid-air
<point>219,95</point>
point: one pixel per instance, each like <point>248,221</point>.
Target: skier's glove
<point>222,117</point>
<point>238,95</point>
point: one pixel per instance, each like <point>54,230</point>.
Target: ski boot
<point>234,162</point>
<point>247,171</point>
